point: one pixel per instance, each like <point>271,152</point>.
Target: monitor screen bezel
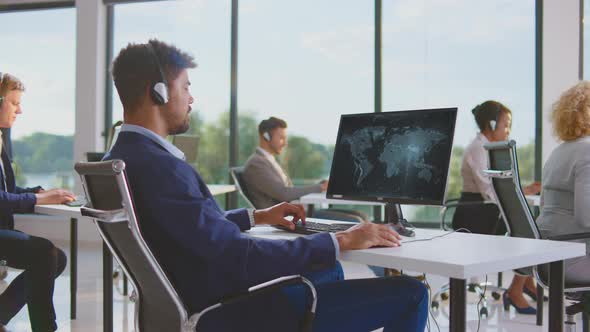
<point>396,200</point>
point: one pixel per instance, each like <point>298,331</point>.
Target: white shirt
<point>475,161</point>
<point>275,165</point>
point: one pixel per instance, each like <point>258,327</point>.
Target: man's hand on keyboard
<point>367,235</point>
<point>275,215</point>
<point>54,196</point>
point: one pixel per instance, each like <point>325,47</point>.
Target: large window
<point>306,62</point>
<point>586,41</point>
<point>201,28</point>
<point>437,54</point>
<point>39,48</point>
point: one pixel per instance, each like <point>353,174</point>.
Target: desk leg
<point>556,279</point>
<point>107,289</point>
<point>73,266</point>
<point>310,208</point>
<point>458,301</point>
<point>540,295</point>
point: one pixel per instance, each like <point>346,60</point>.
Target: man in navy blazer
<point>202,248</point>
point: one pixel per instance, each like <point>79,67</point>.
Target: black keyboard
<point>311,227</point>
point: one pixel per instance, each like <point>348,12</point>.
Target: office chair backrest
<point>158,307</point>
<point>237,174</point>
<point>506,181</point>
<point>189,145</point>
<point>94,156</point>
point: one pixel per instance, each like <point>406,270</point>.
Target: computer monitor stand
<point>395,218</point>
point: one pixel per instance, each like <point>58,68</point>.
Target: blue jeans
<point>394,303</point>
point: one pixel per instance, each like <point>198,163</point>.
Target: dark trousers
<point>398,304</point>
<point>478,218</point>
<point>394,303</point>
<point>42,262</point>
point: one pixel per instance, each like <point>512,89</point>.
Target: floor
<point>90,302</point>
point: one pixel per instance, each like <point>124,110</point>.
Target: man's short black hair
<point>270,124</point>
<point>135,68</point>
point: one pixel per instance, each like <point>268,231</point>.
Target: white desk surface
<point>74,212</point>
<point>320,198</point>
<point>219,189</point>
<point>534,200</point>
<point>457,255</point>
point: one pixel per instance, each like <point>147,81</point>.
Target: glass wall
<point>305,62</point>
<point>42,136</point>
<point>201,28</point>
<point>586,40</point>
<point>460,54</point>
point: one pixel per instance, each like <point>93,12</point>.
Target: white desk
<point>460,256</point>
<point>534,200</point>
<point>220,189</point>
<point>73,213</point>
<point>320,198</point>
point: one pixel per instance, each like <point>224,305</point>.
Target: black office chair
<point>157,304</point>
<point>520,223</point>
<point>331,214</point>
<point>237,175</point>
<point>480,289</point>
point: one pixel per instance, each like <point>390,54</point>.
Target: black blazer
<point>13,199</point>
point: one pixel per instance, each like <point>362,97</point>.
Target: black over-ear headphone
<point>488,115</point>
<point>159,90</point>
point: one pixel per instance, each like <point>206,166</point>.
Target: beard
<point>180,129</point>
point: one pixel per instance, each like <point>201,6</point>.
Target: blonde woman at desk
<point>494,121</point>
<point>566,176</point>
<point>41,261</point>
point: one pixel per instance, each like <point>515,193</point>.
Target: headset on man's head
<point>159,89</point>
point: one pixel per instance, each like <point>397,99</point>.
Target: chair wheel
<point>496,296</point>
<point>483,312</point>
<point>444,296</point>
<point>434,304</point>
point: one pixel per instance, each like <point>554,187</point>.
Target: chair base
<point>3,272</point>
<point>473,288</point>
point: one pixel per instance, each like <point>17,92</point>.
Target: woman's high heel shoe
<point>524,311</point>
<point>533,295</point>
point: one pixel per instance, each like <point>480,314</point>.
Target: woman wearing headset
<point>494,121</point>
<point>41,261</point>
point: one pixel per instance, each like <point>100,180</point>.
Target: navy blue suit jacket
<point>201,247</point>
<point>13,199</point>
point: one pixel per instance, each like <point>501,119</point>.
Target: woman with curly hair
<point>566,176</point>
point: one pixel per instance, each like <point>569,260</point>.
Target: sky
<point>304,61</point>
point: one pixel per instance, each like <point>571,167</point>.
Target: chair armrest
<point>569,237</point>
<point>264,288</point>
<point>118,215</point>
